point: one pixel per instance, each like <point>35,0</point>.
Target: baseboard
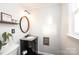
<point>43,53</point>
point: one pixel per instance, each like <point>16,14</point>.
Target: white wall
<point>45,21</point>
<point>14,10</point>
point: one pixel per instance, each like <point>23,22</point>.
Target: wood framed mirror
<point>24,24</point>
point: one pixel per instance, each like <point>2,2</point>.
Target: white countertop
<point>29,38</point>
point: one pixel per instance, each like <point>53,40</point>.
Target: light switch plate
<point>13,31</point>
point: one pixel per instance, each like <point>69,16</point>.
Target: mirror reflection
<point>24,24</point>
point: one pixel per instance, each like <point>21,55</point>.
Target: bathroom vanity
<point>29,45</point>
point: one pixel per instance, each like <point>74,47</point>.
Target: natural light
<point>74,20</point>
<point>76,23</point>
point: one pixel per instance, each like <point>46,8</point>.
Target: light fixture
<point>27,11</point>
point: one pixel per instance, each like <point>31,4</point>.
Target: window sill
<point>73,35</point>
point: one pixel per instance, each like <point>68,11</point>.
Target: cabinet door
<point>23,45</point>
<point>30,46</point>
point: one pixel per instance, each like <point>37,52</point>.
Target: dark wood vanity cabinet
<point>31,46</point>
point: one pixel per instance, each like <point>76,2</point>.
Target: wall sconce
<point>24,12</point>
<point>27,11</point>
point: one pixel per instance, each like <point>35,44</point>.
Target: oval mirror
<point>24,24</point>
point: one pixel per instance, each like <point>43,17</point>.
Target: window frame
<point>71,30</point>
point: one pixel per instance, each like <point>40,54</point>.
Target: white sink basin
<point>29,38</point>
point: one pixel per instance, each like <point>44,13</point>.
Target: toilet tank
<point>10,49</point>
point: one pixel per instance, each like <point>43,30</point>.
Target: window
<point>74,20</point>
<point>76,23</point>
